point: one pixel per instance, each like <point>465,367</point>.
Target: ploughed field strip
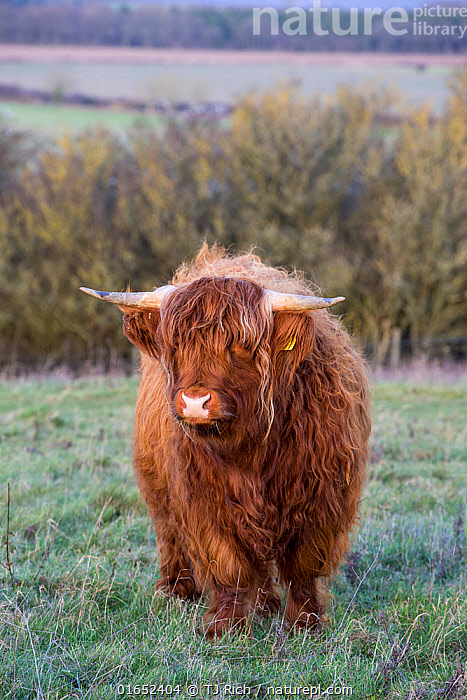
<point>161,77</point>
<point>79,610</point>
<point>36,53</point>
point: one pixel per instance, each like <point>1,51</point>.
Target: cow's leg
<point>232,583</point>
<point>229,605</point>
<point>228,610</point>
<point>267,601</point>
<point>300,572</point>
<point>306,604</point>
<point>176,571</point>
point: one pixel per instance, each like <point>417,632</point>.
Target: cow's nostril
<point>196,407</point>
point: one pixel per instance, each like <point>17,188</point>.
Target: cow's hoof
<point>183,586</point>
<point>267,603</point>
<point>217,623</point>
<point>305,615</point>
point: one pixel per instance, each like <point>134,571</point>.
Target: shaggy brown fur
<point>266,489</point>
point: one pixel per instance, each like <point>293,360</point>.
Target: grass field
<point>79,614</point>
<point>50,119</point>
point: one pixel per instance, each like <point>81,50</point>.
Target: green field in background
<point>51,119</point>
<point>82,616</point>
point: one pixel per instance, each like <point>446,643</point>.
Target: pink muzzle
<point>195,408</point>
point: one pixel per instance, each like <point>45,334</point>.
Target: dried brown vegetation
<point>377,215</point>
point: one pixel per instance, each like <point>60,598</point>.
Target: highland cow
<point>251,436</point>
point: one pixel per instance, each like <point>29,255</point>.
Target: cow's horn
<point>139,300</point>
<point>299,302</point>
<point>151,300</point>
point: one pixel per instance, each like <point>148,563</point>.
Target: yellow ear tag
<point>290,345</point>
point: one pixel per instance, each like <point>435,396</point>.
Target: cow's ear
<point>140,327</point>
<point>292,340</point>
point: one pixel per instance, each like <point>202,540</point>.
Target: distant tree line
<point>214,28</point>
<point>376,215</point>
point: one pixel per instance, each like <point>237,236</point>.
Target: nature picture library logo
<point>425,20</point>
